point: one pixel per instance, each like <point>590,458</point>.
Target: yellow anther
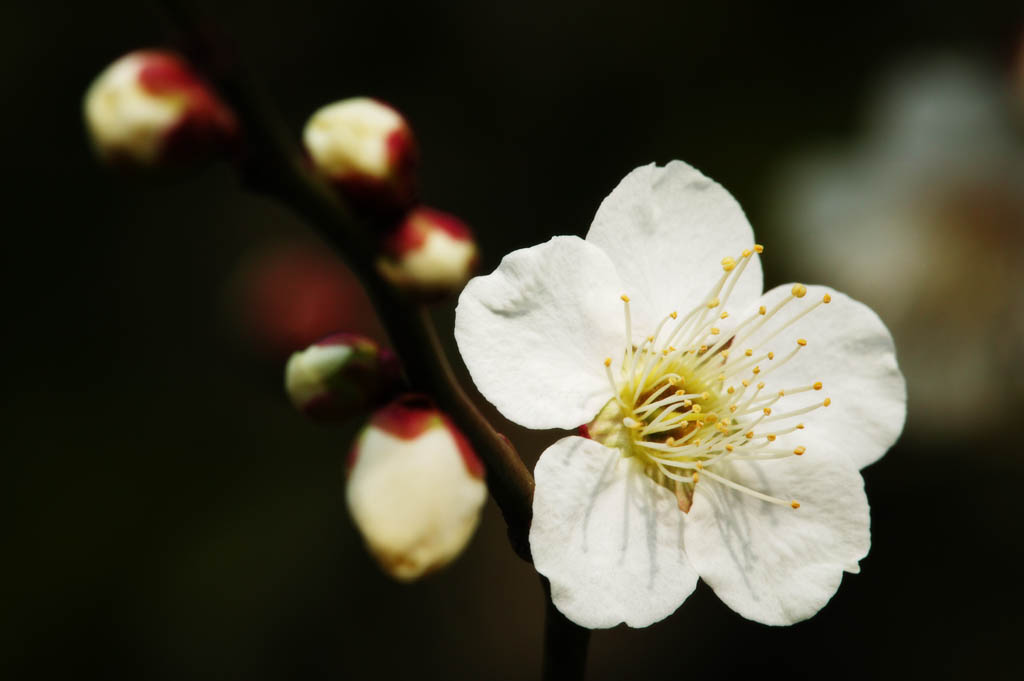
<point>703,348</point>
<point>607,361</point>
<point>723,315</point>
<point>671,348</point>
<point>733,407</point>
<point>826,299</point>
<point>771,438</point>
<point>798,290</point>
<point>650,339</point>
<point>801,342</point>
<point>795,504</point>
<point>758,248</point>
<point>767,411</point>
<point>696,478</point>
<point>670,441</point>
<point>705,395</point>
<point>746,253</point>
<point>760,386</point>
<point>700,466</point>
<point>712,304</point>
<point>817,386</point>
<point>757,370</point>
<point>728,263</point>
<point>771,355</point>
<point>687,403</point>
<point>715,331</point>
<point>711,418</point>
<point>828,401</point>
<point>729,448</point>
<point>700,424</point>
<point>680,392</point>
<point>799,450</point>
<point>730,390</point>
<point>696,409</point>
<point>748,352</point>
<point>665,352</point>
<point>746,383</point>
<point>750,435</point>
<point>782,393</point>
<point>624,298</point>
<point>761,310</point>
<point>799,426</point>
<point>673,314</point>
<point>696,443</point>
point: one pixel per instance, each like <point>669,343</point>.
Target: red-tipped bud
<point>429,254</point>
<point>367,150</point>
<point>415,488</point>
<point>149,108</point>
<point>340,375</point>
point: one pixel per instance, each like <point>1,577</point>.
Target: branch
<point>271,162</point>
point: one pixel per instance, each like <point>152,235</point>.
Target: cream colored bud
<point>339,375</point>
<point>415,488</point>
<point>149,107</point>
<point>429,254</point>
<point>367,149</point>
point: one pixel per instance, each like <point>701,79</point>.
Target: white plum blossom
<point>722,429</point>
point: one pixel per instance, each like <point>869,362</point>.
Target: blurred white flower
<point>923,219</point>
<point>415,488</point>
<point>711,449</point>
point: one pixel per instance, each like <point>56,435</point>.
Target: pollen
<point>758,248</point>
<point>795,504</point>
<point>826,299</point>
<point>680,411</point>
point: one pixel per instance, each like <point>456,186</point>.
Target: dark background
<point>168,516</point>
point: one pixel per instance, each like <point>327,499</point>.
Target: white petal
<point>775,564</point>
<point>535,332</point>
<point>852,353</point>
<point>607,537</point>
<point>667,231</point>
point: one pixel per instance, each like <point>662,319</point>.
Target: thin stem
<point>271,162</point>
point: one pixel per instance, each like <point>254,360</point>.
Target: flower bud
<point>430,254</point>
<point>415,488</point>
<point>339,375</point>
<point>367,149</point>
<point>149,107</point>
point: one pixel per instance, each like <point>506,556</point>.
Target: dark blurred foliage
<point>169,516</point>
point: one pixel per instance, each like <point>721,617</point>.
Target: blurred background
<point>168,514</point>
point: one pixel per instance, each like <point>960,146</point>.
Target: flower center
<point>689,397</point>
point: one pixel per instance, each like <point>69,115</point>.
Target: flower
<point>937,175</point>
<point>367,150</point>
<point>149,107</point>
<point>337,376</point>
<point>724,429</point>
<point>415,488</point>
<point>429,254</point>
